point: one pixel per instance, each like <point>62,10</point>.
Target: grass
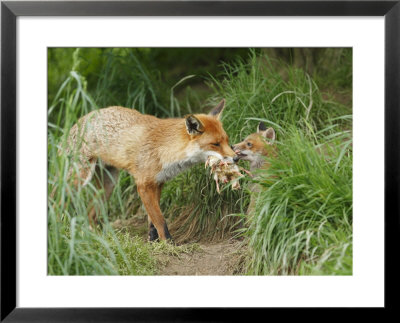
<point>302,222</point>
<point>73,248</point>
<point>254,90</point>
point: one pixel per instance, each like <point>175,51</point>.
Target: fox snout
<point>238,150</point>
<point>229,154</point>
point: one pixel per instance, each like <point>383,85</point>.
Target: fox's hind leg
<point>82,172</point>
<point>105,178</point>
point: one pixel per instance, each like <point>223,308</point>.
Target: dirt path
<point>203,258</point>
<point>219,258</point>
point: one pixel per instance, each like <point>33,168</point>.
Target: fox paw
<point>153,234</point>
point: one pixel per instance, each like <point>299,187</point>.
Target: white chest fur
<point>170,170</point>
<point>193,156</point>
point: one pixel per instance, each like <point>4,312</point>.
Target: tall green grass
<point>73,247</point>
<point>255,88</point>
<point>261,88</point>
<point>302,221</point>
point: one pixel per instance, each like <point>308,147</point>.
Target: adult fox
<point>152,150</point>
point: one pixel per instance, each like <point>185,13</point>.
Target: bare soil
<point>214,258</point>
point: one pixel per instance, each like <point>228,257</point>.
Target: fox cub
<point>255,148</point>
<point>152,150</point>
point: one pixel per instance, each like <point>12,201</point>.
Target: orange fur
<point>152,150</point>
<point>256,147</point>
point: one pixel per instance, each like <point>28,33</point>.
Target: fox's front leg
<point>153,234</point>
<point>150,195</point>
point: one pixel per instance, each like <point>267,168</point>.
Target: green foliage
<point>302,221</point>
<point>142,78</point>
<point>254,90</point>
<point>75,249</point>
<point>89,78</point>
<point>279,94</point>
<point>196,210</point>
<point>335,69</point>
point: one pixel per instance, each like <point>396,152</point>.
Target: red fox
<point>152,150</point>
<point>256,147</point>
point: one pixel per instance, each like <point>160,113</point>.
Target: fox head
<point>207,136</point>
<point>256,146</point>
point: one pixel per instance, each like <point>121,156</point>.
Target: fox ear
<point>270,134</point>
<point>267,133</point>
<point>193,125</point>
<point>216,112</point>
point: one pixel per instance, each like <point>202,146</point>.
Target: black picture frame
<point>10,10</point>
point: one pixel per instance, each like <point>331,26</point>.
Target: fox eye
<point>216,144</point>
<point>249,144</point>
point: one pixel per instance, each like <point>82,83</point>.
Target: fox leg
<point>150,195</point>
<point>83,172</point>
<point>105,178</point>
<point>79,175</point>
<point>153,234</point>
